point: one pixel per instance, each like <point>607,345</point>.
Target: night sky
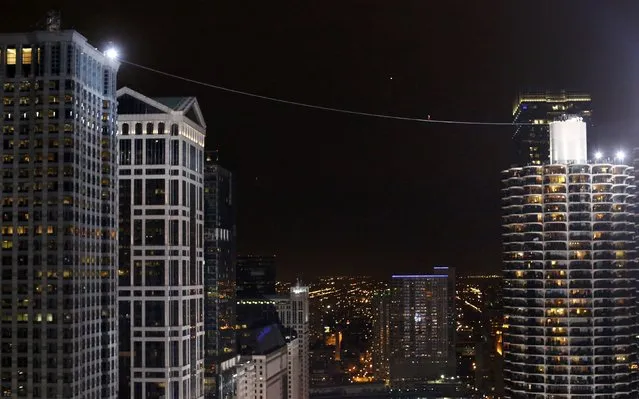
<point>332,193</point>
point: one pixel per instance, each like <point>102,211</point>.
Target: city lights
<point>620,155</point>
<point>598,155</point>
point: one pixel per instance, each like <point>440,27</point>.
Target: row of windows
<point>28,85</point>
<point>155,233</point>
<point>155,193</point>
<point>132,153</point>
<point>27,100</point>
<point>150,128</point>
<point>26,115</point>
<point>56,59</point>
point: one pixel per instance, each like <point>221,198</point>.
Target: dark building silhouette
<point>220,245</point>
<point>255,276</point>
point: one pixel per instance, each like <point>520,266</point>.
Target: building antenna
<point>53,21</point>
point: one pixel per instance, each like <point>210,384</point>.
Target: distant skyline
<point>339,194</point>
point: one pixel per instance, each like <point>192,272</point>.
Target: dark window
<point>138,128</point>
<point>154,314</point>
<point>155,152</point>
<point>174,232</point>
<point>125,129</point>
<point>155,191</point>
<point>154,354</point>
<point>192,158</point>
<point>149,128</point>
<point>137,316</point>
<point>154,273</point>
<point>161,128</point>
<point>175,130</point>
<point>137,192</point>
<point>175,152</point>
<point>138,152</point>
<point>174,273</point>
<point>174,192</point>
<point>154,232</point>
<point>137,232</point>
<point>125,152</point>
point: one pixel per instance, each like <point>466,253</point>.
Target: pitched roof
<point>133,102</point>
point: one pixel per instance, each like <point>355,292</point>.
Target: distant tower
<point>294,314</point>
<point>54,23</point>
<point>419,329</point>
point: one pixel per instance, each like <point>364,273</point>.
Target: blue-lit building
<point>421,328</point>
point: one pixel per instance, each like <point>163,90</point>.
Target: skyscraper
<point>294,315</point>
<point>537,110</point>
<point>161,292</point>
<point>569,289</point>
<point>451,318</point>
<point>419,329</point>
<point>219,274</point>
<point>255,276</point>
<point>381,337</point>
<point>59,195</point>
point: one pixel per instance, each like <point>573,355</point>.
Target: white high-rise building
<point>569,288</point>
<point>161,293</point>
<point>58,329</point>
<point>294,314</point>
<point>263,376</point>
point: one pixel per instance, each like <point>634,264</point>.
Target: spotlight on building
<point>620,155</point>
<point>111,53</point>
<point>598,155</point>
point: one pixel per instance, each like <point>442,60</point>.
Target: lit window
<point>11,56</point>
<point>26,56</point>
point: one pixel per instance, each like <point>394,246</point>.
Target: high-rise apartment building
<point>294,315</point>
<point>569,288</point>
<point>381,334</point>
<point>255,276</point>
<point>419,329</point>
<point>161,291</point>
<point>535,110</point>
<point>58,229</point>
<point>451,317</point>
<point>219,275</point>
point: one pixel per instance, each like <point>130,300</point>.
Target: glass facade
<point>219,275</point>
<point>569,288</point>
<point>58,336</point>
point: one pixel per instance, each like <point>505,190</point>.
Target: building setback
<point>58,335</point>
<point>569,284</point>
<point>161,292</point>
